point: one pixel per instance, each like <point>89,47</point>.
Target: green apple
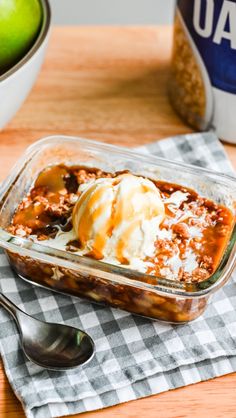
<point>20,22</point>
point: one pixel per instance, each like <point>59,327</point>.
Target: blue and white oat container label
<point>205,38</point>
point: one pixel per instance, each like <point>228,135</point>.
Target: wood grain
<point>110,84</point>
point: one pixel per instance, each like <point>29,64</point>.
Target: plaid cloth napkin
<point>135,357</point>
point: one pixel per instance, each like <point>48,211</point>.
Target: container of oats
<point>202,84</point>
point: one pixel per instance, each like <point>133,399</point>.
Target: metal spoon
<point>52,346</point>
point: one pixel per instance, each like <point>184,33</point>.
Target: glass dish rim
<point>26,247</point>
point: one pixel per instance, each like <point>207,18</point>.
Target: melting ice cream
<point>117,218</point>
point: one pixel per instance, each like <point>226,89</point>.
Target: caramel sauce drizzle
<point>51,185</point>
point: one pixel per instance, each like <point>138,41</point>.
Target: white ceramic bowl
<point>17,82</point>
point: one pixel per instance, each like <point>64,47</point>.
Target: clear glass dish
<point>61,271</point>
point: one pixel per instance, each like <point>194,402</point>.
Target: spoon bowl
<point>49,345</point>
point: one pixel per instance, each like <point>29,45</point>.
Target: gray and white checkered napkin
<point>135,356</point>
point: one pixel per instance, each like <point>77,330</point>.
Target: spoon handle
<point>9,305</point>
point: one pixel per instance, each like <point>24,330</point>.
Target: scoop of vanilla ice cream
<point>116,219</point>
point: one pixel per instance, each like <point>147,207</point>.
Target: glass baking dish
<point>120,287</point>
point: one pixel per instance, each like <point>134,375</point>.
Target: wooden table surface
<point>109,84</point>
